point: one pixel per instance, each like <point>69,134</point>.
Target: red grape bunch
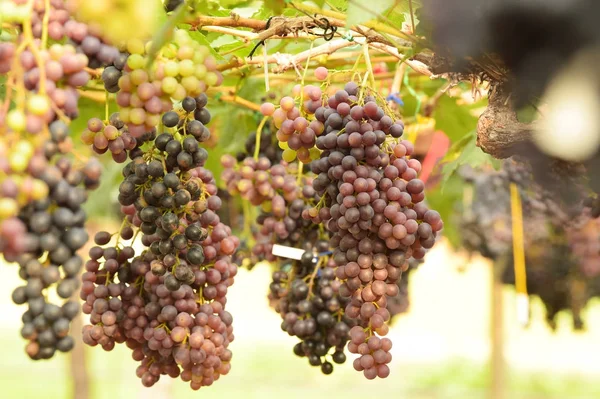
<point>372,203</point>
<point>50,231</point>
<point>311,308</point>
<point>167,303</point>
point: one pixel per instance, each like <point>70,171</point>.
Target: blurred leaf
<point>528,114</point>
<point>206,7</point>
<point>359,12</point>
<point>102,202</point>
<point>465,152</point>
<point>340,5</point>
<point>445,200</point>
<point>237,48</point>
<point>234,3</point>
<point>453,119</point>
<point>165,33</point>
<point>276,6</point>
<point>200,38</point>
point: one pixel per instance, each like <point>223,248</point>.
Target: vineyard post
<point>78,366</point>
<point>498,378</point>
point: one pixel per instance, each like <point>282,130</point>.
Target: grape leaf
<point>340,5</point>
<point>164,34</point>
<point>359,12</point>
<point>276,6</point>
<point>465,152</point>
<point>200,38</point>
<point>453,119</point>
<point>445,201</point>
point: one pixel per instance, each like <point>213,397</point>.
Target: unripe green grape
<point>8,208</point>
<point>283,145</point>
<point>39,190</point>
<point>200,71</point>
<point>137,116</point>
<point>203,51</point>
<point>198,58</point>
<point>211,79</point>
<point>135,61</point>
<point>135,46</point>
<point>169,85</point>
<point>16,120</point>
<point>185,53</point>
<point>171,68</point>
<point>18,161</point>
<point>138,77</point>
<point>124,114</point>
<point>190,83</point>
<point>186,68</point>
<point>38,104</point>
<point>181,37</point>
<point>56,51</point>
<point>148,46</point>
<point>152,119</point>
<point>314,153</point>
<point>24,147</point>
<point>179,93</point>
<point>288,155</point>
<point>169,51</point>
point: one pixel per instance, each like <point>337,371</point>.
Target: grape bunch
<point>584,241</point>
<point>593,204</point>
<point>61,25</point>
<point>54,232</point>
<point>18,188</point>
<point>181,69</point>
<point>268,147</point>
<point>372,203</point>
<point>296,134</point>
<point>113,137</point>
<point>282,200</point>
<point>258,181</point>
<point>311,308</point>
<point>561,258</point>
<point>167,304</point>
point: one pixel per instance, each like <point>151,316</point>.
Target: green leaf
<point>234,3</point>
<point>359,12</point>
<point>446,200</point>
<point>340,5</point>
<point>164,34</point>
<point>464,152</point>
<point>200,38</point>
<point>276,6</point>
<point>453,119</point>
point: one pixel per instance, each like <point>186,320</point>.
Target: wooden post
<point>77,362</point>
<point>498,378</point>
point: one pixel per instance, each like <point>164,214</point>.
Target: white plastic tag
<point>287,252</point>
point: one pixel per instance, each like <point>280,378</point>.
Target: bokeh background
<point>442,348</point>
